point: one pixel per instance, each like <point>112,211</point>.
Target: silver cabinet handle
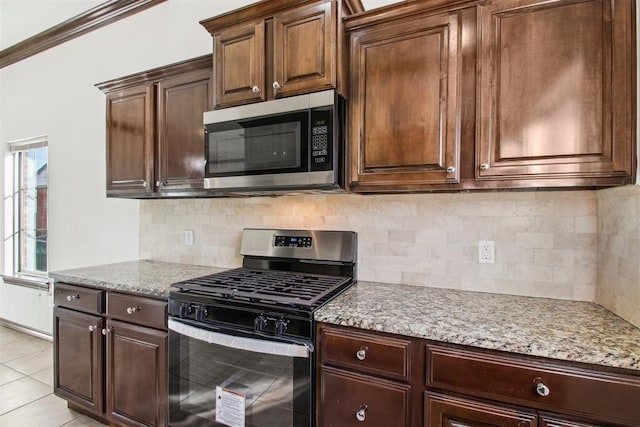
<point>105,331</point>
<point>361,354</point>
<point>255,89</point>
<point>131,310</point>
<point>451,169</point>
<point>542,389</point>
<point>92,328</point>
<point>484,166</point>
<point>73,297</point>
<point>276,86</point>
<point>361,415</point>
<point>159,184</point>
<point>145,184</point>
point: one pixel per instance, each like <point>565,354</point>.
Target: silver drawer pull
<point>361,354</point>
<point>361,415</point>
<point>131,310</point>
<point>92,328</point>
<point>107,330</point>
<point>73,297</point>
<point>541,388</point>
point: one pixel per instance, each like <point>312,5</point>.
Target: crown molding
<point>99,16</point>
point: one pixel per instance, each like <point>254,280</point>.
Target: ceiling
<point>21,19</point>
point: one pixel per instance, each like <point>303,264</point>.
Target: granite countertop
<point>149,278</point>
<point>566,330</point>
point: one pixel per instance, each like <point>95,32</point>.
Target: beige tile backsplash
<point>619,251</point>
<point>545,241</point>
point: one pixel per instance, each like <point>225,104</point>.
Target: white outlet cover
<point>486,252</point>
<point>188,237</point>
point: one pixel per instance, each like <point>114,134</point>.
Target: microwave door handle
<point>241,343</point>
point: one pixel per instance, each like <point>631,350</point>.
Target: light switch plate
<point>188,237</point>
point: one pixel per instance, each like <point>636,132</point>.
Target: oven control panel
<point>293,242</point>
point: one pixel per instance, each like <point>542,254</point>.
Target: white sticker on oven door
<point>229,407</point>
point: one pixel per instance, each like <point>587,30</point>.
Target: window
<point>26,208</point>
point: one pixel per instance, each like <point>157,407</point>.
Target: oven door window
<point>249,147</point>
<point>275,390</point>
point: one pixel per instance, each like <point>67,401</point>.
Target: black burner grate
<point>272,286</point>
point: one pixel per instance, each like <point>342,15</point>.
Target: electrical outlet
<point>188,237</point>
<point>486,252</point>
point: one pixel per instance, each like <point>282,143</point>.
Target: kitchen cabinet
<point>407,98</point>
<point>97,336</point>
<point>155,134</point>
<point>363,378</point>
<point>396,380</point>
<point>557,93</point>
<point>493,95</point>
<point>277,49</point>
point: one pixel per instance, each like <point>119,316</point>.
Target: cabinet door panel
<point>239,65</point>
<point>182,100</point>
<point>304,49</point>
<point>447,411</point>
<point>78,358</point>
<point>130,139</point>
<point>136,391</point>
<point>406,104</point>
<point>555,89</point>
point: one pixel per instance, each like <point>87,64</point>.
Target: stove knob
<point>201,313</point>
<point>260,323</point>
<point>185,309</point>
<point>281,326</point>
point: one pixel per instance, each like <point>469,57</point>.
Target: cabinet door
<point>78,358</point>
<point>181,102</point>
<point>239,54</point>
<point>446,411</point>
<point>348,399</point>
<point>130,140</point>
<point>304,49</point>
<point>556,91</point>
<point>405,104</point>
<point>136,366</point>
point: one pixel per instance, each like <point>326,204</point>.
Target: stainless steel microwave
<point>287,144</point>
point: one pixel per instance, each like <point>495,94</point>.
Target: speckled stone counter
<point>149,278</point>
<point>557,329</point>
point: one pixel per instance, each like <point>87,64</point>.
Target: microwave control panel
<point>321,140</point>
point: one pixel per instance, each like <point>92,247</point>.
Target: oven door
<point>219,377</point>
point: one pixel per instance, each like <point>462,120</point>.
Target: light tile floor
<point>26,385</point>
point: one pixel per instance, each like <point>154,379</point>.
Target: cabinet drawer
<point>382,403</point>
<point>367,352</point>
<point>568,389</point>
<point>463,412</point>
<point>139,310</point>
<point>78,298</point>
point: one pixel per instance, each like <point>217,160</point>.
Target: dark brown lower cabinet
<point>78,358</point>
<point>441,410</point>
<point>110,360</point>
<point>380,379</point>
<point>136,374</point>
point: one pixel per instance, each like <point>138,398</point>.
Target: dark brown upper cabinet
<point>556,93</point>
<point>278,48</point>
<point>406,98</point>
<point>500,94</point>
<point>155,135</point>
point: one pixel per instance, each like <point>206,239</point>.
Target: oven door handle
<point>241,343</point>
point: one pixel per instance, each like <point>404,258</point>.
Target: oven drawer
<point>545,385</point>
<point>366,352</point>
<point>350,399</point>
<point>139,310</point>
<point>78,298</point>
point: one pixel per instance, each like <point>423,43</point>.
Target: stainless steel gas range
<point>241,342</point>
